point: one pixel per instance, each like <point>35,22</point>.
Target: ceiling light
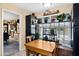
<point>47,4</point>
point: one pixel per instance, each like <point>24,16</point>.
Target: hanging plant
<point>61,17</point>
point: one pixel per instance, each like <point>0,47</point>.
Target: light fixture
<point>47,4</point>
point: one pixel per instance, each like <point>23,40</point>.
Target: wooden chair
<point>55,52</point>
<point>57,44</point>
<point>29,39</point>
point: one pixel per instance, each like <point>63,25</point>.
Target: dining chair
<point>29,39</point>
<point>57,44</point>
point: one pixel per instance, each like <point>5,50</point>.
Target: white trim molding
<point>19,27</point>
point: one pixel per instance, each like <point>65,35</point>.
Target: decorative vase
<point>46,20</point>
<point>46,38</point>
<point>52,20</point>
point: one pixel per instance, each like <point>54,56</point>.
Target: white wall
<point>23,13</point>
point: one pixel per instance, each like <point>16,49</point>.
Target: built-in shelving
<point>63,30</point>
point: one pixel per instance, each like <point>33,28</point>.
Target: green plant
<point>61,17</point>
<point>37,35</point>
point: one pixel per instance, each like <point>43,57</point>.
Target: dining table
<point>45,48</point>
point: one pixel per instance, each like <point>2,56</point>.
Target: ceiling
<point>10,16</point>
<point>37,7</point>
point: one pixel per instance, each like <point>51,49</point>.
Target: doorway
<point>11,33</point>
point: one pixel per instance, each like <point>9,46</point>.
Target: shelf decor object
<point>37,35</point>
<point>61,17</point>
<point>46,38</point>
<point>33,14</point>
<point>17,20</point>
<point>53,18</point>
<point>69,17</point>
<point>46,19</point>
<point>32,22</point>
<point>48,12</point>
<point>52,31</point>
<point>39,21</point>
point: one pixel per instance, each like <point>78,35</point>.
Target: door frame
<point>19,27</point>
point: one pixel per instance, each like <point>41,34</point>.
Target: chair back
<point>29,39</point>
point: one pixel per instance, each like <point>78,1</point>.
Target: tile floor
<point>21,53</point>
<point>11,48</point>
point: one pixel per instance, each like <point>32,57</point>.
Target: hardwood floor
<point>20,53</point>
<point>62,51</point>
<point>65,52</point>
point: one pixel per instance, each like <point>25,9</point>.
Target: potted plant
<point>61,17</point>
<point>69,17</point>
<point>37,35</point>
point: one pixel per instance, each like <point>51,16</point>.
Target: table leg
<point>27,52</point>
<point>54,52</point>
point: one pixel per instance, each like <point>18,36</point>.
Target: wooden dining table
<point>42,47</point>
